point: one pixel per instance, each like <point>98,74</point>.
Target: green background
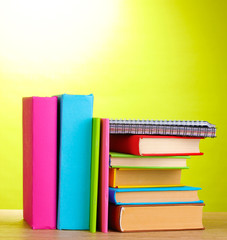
<point>154,59</point>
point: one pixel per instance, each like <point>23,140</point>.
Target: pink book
<point>40,161</point>
<point>104,177</point>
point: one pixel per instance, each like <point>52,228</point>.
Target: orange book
<point>132,178</point>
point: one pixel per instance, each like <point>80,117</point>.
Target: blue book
<point>74,161</point>
<point>155,195</point>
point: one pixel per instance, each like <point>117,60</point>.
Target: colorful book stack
<point>145,190</point>
<point>66,175</point>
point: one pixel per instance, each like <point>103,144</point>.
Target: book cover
<point>94,172</point>
<point>75,161</point>
<point>40,161</point>
<point>104,177</point>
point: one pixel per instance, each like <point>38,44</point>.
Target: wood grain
<point>12,226</point>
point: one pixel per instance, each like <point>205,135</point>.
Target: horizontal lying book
<point>121,160</point>
<point>160,127</point>
<point>133,218</point>
<point>161,195</point>
<point>133,178</point>
<point>147,145</point>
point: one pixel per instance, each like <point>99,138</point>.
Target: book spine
<point>112,196</point>
<point>125,144</point>
<point>94,173</point>
<point>115,217</point>
<point>112,177</point>
<point>104,177</point>
<point>27,160</point>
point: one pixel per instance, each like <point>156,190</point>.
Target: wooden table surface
<point>12,226</point>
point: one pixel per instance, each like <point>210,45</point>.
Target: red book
<point>151,145</point>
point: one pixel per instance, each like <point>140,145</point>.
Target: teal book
<point>75,138</point>
<point>154,196</point>
<point>94,172</point>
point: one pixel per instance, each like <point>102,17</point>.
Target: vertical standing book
<point>104,177</point>
<point>40,161</point>
<point>94,172</point>
<point>75,161</point>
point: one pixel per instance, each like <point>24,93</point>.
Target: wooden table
<point>12,226</point>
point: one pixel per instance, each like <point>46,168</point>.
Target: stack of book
<point>66,169</point>
<point>145,190</point>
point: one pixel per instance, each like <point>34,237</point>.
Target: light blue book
<point>144,196</point>
<point>74,161</point>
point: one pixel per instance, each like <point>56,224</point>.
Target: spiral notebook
<point>163,127</point>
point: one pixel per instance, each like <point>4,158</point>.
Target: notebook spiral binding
<point>163,127</point>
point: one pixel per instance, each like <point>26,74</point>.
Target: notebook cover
<point>104,177</point>
<point>163,127</point>
<point>113,191</point>
<point>94,172</point>
<point>115,216</point>
<point>75,161</point>
<point>40,161</point>
<point>129,144</point>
